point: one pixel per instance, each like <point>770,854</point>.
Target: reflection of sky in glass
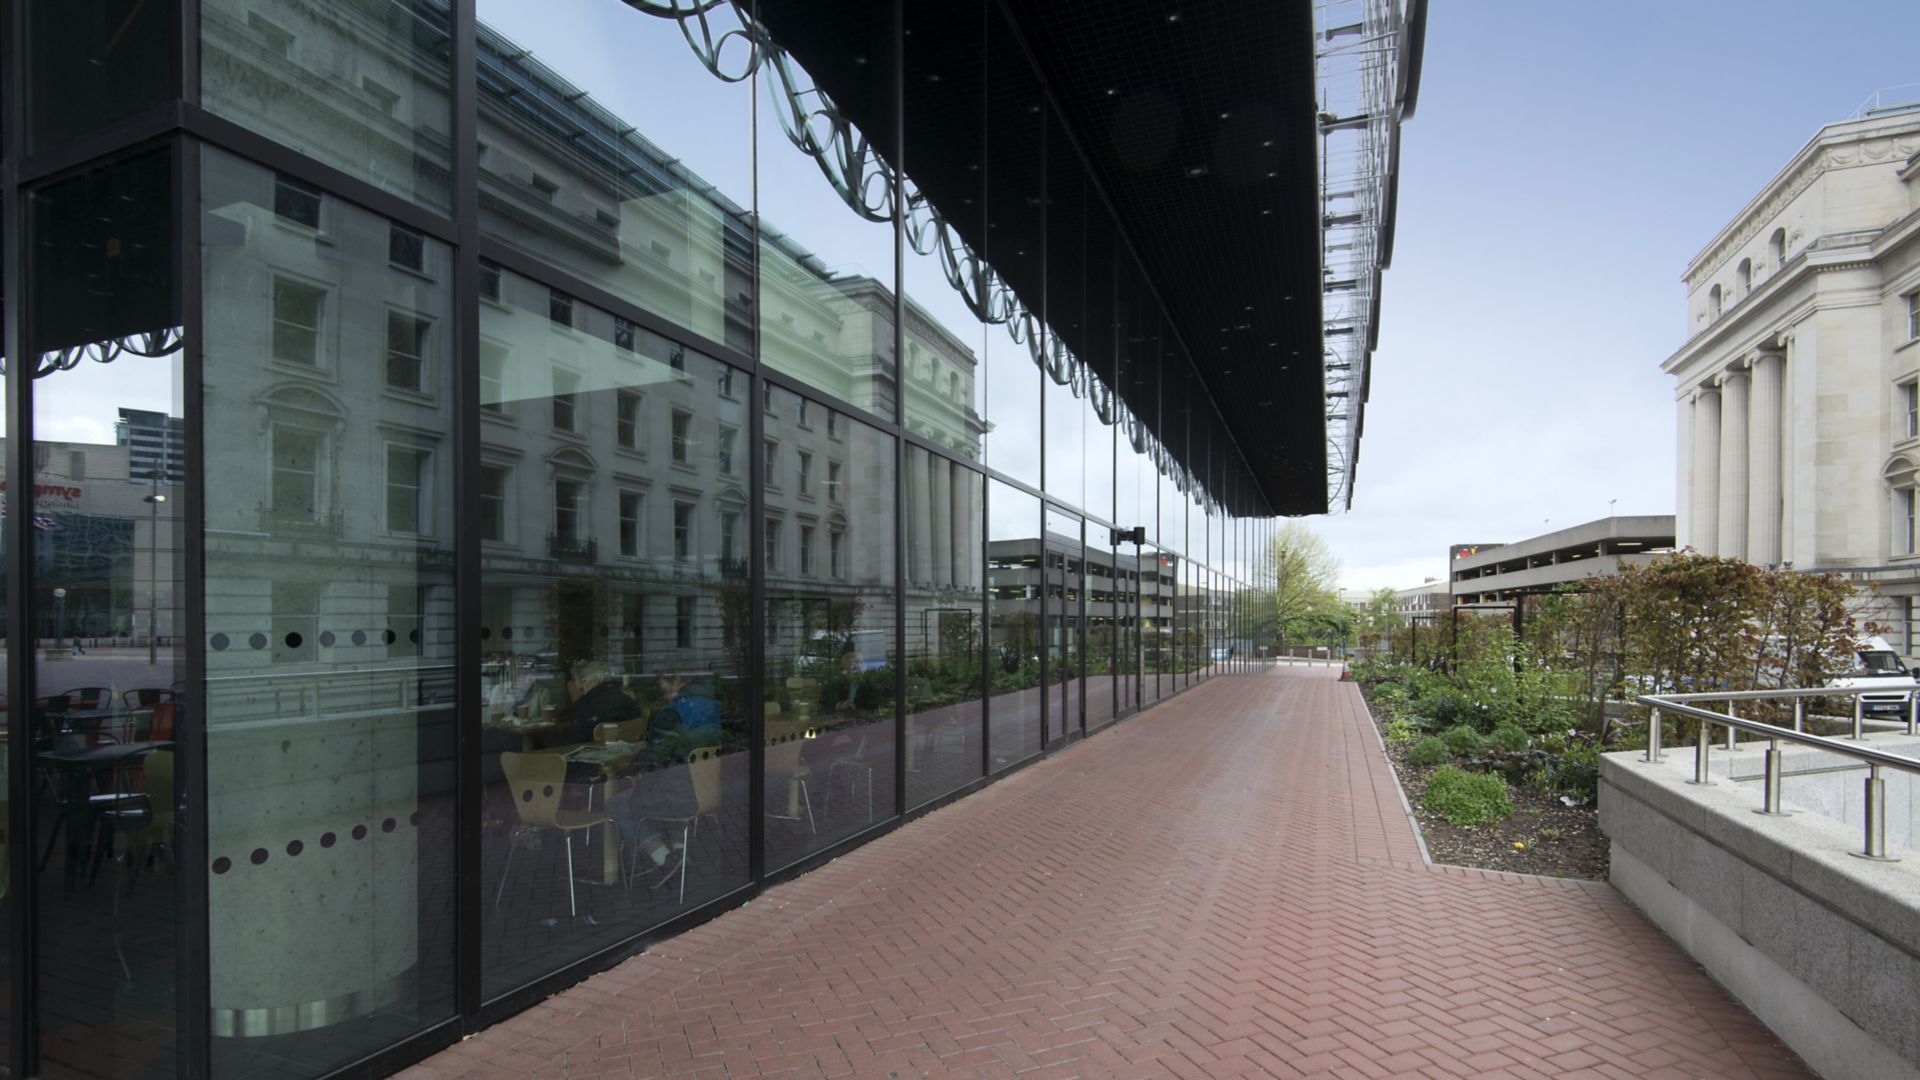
<point>640,68</point>
<point>81,405</point>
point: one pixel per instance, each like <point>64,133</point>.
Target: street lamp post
<point>59,618</point>
<point>153,577</point>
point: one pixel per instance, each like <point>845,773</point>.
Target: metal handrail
<point>1874,845</point>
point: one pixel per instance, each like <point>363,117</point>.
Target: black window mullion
<point>193,969</point>
<point>467,523</point>
<point>19,563</point>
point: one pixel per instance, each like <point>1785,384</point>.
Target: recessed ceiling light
<point>1112,91</point>
<point>1173,16</point>
<point>933,77</point>
<point>1266,213</point>
<point>1226,115</point>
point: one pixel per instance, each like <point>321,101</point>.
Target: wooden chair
<point>537,782</point>
<point>703,769</point>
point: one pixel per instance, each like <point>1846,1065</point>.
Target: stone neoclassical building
<point>1798,388</point>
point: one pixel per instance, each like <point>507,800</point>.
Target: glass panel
<point>945,386</point>
<point>92,62</point>
<point>109,456</point>
<point>613,625</point>
<point>1065,624</point>
<point>827,286</point>
<point>1126,648</point>
<point>1013,247</point>
<point>944,645</point>
<point>831,644</point>
<point>655,214</point>
<point>1156,594</point>
<point>1104,645</point>
<point>362,85</point>
<point>330,623</point>
<point>1014,582</point>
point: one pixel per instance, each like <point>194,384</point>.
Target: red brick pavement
<point>1226,885</point>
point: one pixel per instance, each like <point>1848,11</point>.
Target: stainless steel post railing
<point>1874,841</point>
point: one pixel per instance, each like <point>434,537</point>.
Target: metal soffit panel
<point>1195,126</point>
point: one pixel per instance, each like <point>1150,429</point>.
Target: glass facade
<point>482,520</point>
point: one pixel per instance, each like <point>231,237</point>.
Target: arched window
<point>1777,244</point>
<point>1713,302</point>
<point>1745,275</point>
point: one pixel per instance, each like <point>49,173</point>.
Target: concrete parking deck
<point>1225,885</point>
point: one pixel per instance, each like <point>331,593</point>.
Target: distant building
<point>1798,388</point>
<point>1493,573</point>
<point>1429,598</point>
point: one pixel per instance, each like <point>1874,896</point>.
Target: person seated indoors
<point>596,700</point>
<point>686,720</point>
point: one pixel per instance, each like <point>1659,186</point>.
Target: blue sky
<point>1565,162</point>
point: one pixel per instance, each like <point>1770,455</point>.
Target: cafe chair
<point>783,763</point>
<point>144,820</point>
<point>145,696</point>
<point>89,697</point>
<point>854,760</point>
<point>537,782</point>
<point>703,769</point>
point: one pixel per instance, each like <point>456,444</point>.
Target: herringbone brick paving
<point>1226,885</point>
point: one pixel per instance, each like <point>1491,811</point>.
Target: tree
<point>1379,616</point>
<point>1305,575</point>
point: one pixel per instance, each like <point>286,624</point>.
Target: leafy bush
<point>1576,772</point>
<point>1508,738</point>
<point>1467,799</point>
<point>1461,741</point>
<point>1428,751</point>
<point>1401,731</point>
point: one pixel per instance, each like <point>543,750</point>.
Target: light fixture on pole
<point>153,577</point>
<point>59,618</point>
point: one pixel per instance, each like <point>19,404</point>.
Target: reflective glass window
<point>1065,619</point>
<point>106,608</point>
<point>832,651</point>
<point>614,640</point>
<point>330,723</point>
<point>825,199</point>
<point>91,63</point>
<point>362,85</point>
<point>1014,584</point>
<point>587,171</point>
<point>944,643</point>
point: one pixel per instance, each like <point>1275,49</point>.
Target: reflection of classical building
<point>474,387</point>
<point>1799,421</point>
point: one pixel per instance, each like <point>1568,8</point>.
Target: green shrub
<point>1509,738</point>
<point>1461,741</point>
<point>1428,751</point>
<point>1401,731</point>
<point>1467,799</point>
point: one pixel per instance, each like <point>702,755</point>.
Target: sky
<point>1564,163</point>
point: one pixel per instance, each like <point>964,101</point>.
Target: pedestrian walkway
<point>1225,885</point>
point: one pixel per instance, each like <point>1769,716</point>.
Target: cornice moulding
<point>1828,150</point>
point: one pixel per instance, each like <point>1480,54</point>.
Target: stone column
<point>920,519</point>
<point>1734,389</point>
<point>1763,451</point>
<point>1706,471</point>
<point>942,519</point>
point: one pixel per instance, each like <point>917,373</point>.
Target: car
<point>1877,665</point>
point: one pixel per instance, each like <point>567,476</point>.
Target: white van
<point>1877,665</point>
